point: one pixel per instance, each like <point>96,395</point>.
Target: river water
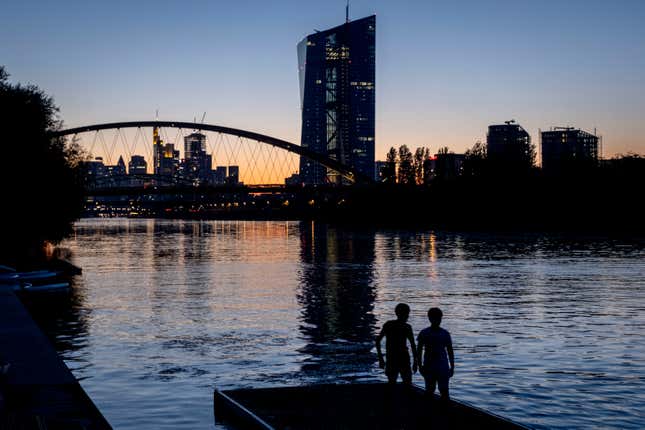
<point>548,330</point>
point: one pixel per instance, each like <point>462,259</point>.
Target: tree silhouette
<point>406,166</point>
<point>475,160</point>
<point>42,186</point>
<point>420,155</point>
<point>389,172</point>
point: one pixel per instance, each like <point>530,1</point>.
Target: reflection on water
<point>337,298</point>
<point>66,319</point>
<point>547,330</point>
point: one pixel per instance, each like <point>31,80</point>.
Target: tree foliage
<point>406,166</point>
<point>420,156</point>
<point>43,192</point>
<point>389,172</point>
<point>475,160</point>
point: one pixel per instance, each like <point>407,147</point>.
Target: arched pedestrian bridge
<point>261,159</point>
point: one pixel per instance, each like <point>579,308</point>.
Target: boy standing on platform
<point>397,333</point>
<point>439,360</point>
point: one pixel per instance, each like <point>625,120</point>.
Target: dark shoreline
<point>577,204</point>
<point>39,390</point>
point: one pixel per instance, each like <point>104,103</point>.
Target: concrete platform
<point>39,392</point>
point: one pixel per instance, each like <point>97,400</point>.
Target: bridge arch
<point>346,171</point>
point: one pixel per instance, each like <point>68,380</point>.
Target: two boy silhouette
<point>438,362</point>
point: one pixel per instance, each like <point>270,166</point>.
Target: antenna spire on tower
<point>347,12</point>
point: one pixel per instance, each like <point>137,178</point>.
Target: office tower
<point>157,151</point>
<point>509,146</point>
<point>233,175</point>
<point>169,160</point>
<point>219,175</point>
<point>567,148</point>
<point>194,145</point>
<point>198,163</point>
<point>137,165</point>
<point>336,71</point>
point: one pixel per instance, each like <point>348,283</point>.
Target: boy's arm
<point>380,337</point>
<point>451,357</point>
<point>415,363</point>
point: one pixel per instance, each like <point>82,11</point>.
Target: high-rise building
<point>233,175</point>
<point>157,151</point>
<point>137,165</point>
<point>219,175</point>
<point>336,70</point>
<point>566,148</point>
<point>169,160</point>
<point>509,146</point>
<point>198,163</point>
<point>194,145</point>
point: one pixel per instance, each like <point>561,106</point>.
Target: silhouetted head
<point>402,311</point>
<point>435,315</point>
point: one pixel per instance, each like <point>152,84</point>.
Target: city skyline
<point>443,72</point>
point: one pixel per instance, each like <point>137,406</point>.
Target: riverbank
<point>38,391</point>
<point>595,205</point>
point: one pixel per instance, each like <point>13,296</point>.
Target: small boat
<point>25,287</point>
<point>9,275</point>
<point>350,406</point>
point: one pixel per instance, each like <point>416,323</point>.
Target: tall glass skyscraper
<point>336,69</point>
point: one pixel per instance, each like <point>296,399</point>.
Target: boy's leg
<point>406,374</point>
<point>443,387</point>
<point>431,382</point>
<point>391,371</point>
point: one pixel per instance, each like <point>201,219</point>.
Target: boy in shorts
<point>439,360</point>
<point>397,333</point>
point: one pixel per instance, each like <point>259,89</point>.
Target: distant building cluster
<point>167,166</point>
<point>508,148</point>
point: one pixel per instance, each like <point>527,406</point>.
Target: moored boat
<point>9,275</point>
<point>349,406</point>
<point>57,287</point>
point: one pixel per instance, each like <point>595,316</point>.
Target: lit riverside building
<point>566,147</point>
<point>336,70</point>
<point>508,146</point>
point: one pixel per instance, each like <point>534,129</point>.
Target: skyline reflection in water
<point>337,298</point>
<point>547,330</point>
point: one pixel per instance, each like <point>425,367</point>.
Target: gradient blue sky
<point>445,69</point>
